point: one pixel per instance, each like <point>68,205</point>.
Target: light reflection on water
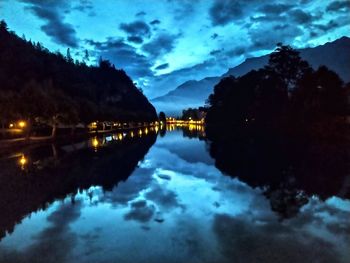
<point>176,207</point>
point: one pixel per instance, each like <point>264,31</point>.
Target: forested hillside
<point>36,84</point>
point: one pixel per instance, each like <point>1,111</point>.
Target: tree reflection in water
<point>290,170</point>
<point>189,130</point>
<point>38,176</point>
<point>175,200</point>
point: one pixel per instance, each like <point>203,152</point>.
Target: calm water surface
<point>148,198</point>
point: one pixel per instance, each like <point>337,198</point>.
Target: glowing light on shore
<point>95,142</point>
<point>23,161</point>
<point>22,124</point>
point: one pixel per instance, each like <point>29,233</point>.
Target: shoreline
<point>22,141</point>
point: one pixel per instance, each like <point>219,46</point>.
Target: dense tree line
<point>37,85</point>
<point>195,114</point>
<point>285,95</point>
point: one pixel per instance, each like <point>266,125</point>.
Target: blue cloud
<point>137,28</point>
<point>160,45</point>
<point>339,6</point>
<point>155,22</point>
<point>162,66</point>
<point>222,12</point>
<point>51,12</point>
<point>123,56</point>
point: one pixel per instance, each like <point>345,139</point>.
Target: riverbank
<point>22,141</point>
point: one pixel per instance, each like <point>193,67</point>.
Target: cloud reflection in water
<point>175,209</point>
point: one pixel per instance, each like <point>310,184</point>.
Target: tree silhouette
<point>288,65</point>
<point>193,114</point>
<point>319,95</point>
<point>162,117</point>
<point>86,56</point>
<point>69,56</point>
<point>3,26</point>
<point>105,64</point>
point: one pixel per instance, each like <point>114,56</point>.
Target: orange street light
<point>22,124</point>
<point>95,142</point>
<point>23,161</point>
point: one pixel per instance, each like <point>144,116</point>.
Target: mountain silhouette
<point>335,55</point>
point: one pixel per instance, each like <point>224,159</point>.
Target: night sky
<point>162,44</point>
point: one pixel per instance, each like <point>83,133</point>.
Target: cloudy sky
<point>163,43</point>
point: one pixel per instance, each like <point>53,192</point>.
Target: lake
<point>144,196</point>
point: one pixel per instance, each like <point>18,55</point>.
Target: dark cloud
<point>286,13</point>
<point>237,51</point>
<point>339,6</point>
<point>189,237</point>
<point>129,190</point>
<point>140,211</point>
<point>135,39</point>
<point>243,238</point>
<point>52,3</point>
<point>137,28</point>
<point>319,29</point>
<point>328,26</point>
<point>142,13</point>
<point>164,176</point>
<point>300,17</point>
<point>160,45</point>
<point>53,244</point>
<point>305,1</point>
<point>183,8</point>
<point>215,52</point>
<point>94,43</point>
<point>61,33</point>
<point>123,56</point>
<point>126,57</point>
<point>162,197</point>
<point>222,12</point>
<point>313,34</point>
<point>266,37</point>
<point>162,66</point>
<point>281,27</point>
<point>51,12</point>
<point>275,9</point>
<point>155,22</point>
<point>267,18</point>
<point>84,6</point>
<point>214,36</point>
